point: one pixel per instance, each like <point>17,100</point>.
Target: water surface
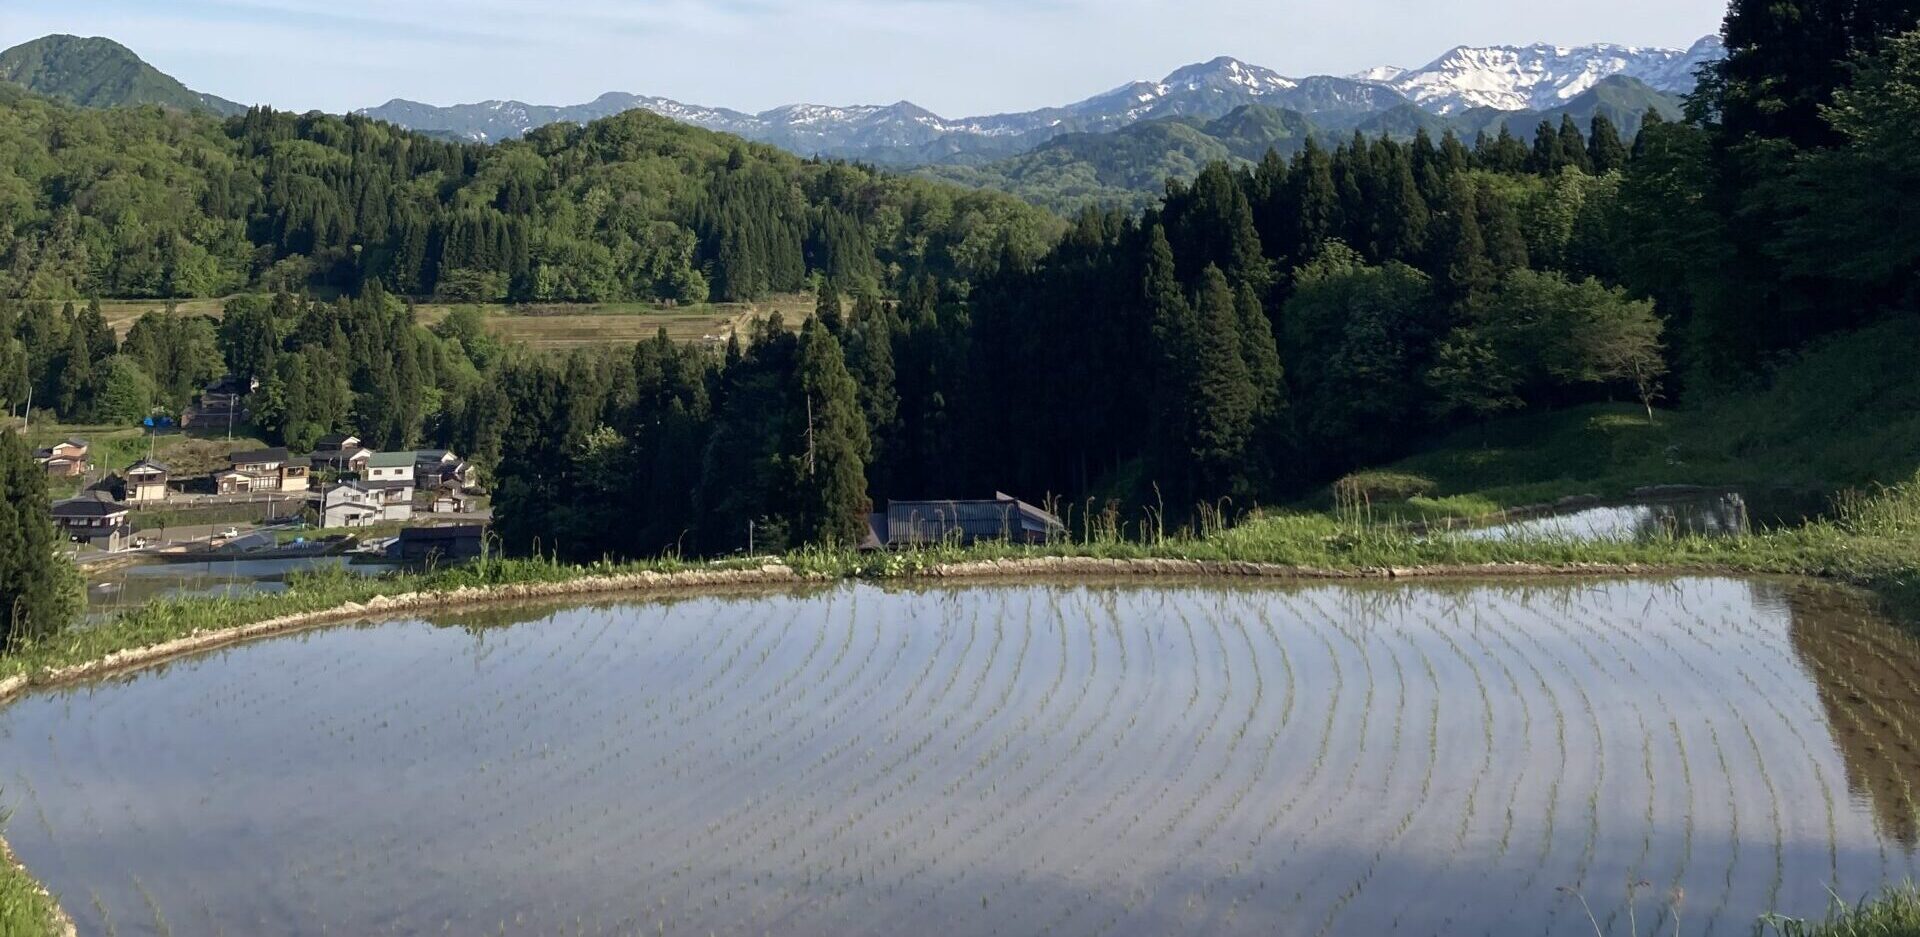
<point>1069,760</point>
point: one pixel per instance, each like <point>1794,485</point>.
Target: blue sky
<point>957,57</point>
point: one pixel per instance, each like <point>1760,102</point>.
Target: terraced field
<point>1069,760</point>
<point>555,326</point>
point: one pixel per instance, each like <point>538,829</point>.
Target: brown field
<point>556,326</point>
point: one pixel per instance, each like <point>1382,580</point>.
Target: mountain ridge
<point>99,72</point>
<point>1509,78</point>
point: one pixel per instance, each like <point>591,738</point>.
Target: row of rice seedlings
<point>816,871</point>
<point>1414,809</point>
<point>612,743</point>
<point>1165,831</point>
<point>1063,769</point>
<point>1091,824</point>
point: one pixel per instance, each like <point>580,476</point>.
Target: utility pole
<point>809,435</point>
<point>28,420</point>
<point>749,538</point>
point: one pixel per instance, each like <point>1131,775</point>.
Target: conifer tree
<point>38,587</point>
<point>826,308</point>
<point>74,383</point>
<point>1604,150</point>
<point>1572,146</point>
<point>1545,159</point>
<point>830,446</point>
<point>1459,259</point>
<point>1221,398</point>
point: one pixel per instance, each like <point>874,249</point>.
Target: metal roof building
<point>912,523</point>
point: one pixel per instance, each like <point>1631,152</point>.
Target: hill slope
<point>101,73</point>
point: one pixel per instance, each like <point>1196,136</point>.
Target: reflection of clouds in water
<point>1719,516</point>
<point>1125,759</point>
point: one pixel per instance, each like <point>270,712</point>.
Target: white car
<point>229,534</point>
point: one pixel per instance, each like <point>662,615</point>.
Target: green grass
<point>24,910</point>
<point>1845,414</point>
<point>1895,914</point>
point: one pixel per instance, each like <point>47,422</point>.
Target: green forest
<point>1246,339</point>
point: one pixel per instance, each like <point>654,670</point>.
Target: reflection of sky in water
<point>1717,517</point>
<point>1075,760</point>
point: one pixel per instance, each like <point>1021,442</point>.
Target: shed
<point>440,544</point>
<point>1004,517</point>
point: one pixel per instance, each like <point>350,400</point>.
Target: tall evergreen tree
<point>830,446</point>
<point>1221,397</point>
<point>1572,146</point>
<point>38,587</point>
<point>1605,151</point>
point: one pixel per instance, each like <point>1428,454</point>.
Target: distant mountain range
<point>1128,168</point>
<point>1507,78</point>
<point>100,73</point>
<point>1113,149</point>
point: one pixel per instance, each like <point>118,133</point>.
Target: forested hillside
<point>99,72</point>
<point>150,203</point>
<point>1245,340</point>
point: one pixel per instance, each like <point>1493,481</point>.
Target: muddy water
<point>1329,759</point>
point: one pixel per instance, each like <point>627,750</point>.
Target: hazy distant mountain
<point>1128,168</point>
<point>1499,77</point>
<point>100,73</point>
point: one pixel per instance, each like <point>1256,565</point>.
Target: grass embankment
<point>1845,414</point>
<point>1895,914</point>
<point>1871,541</point>
<point>26,910</point>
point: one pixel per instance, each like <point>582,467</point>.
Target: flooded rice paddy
<point>1068,760</point>
<point>133,586</point>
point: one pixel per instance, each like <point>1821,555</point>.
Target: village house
<point>438,468</point>
<point>454,501</point>
<point>93,518</point>
<point>65,459</point>
<point>261,470</point>
<point>917,523</point>
<point>144,482</point>
<point>339,452</point>
<point>353,504</point>
<point>390,467</point>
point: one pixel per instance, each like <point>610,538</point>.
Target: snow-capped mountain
<point>1509,78</point>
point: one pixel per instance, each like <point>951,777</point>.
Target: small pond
<point>1026,759</point>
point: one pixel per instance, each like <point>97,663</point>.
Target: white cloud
<point>957,57</point>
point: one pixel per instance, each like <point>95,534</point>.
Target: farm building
<point>1004,517</point>
<point>440,544</point>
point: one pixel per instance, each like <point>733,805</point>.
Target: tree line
<point>1257,333</point>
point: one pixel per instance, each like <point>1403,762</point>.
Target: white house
<point>356,504</point>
